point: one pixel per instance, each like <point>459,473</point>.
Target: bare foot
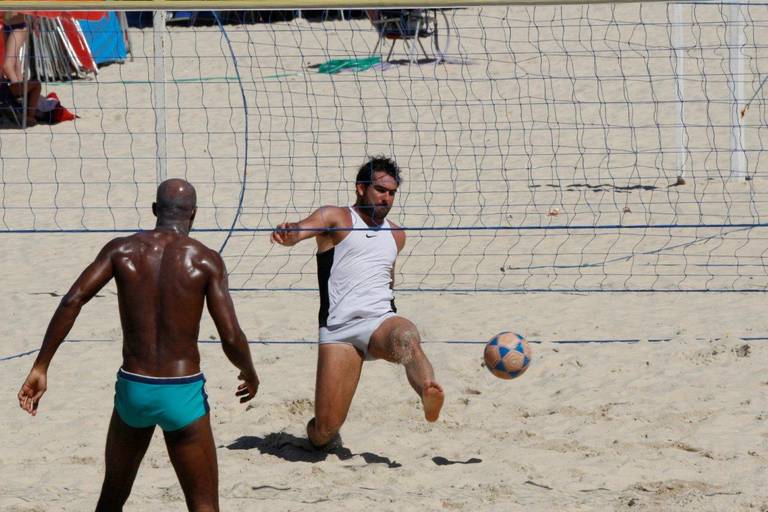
<point>432,397</point>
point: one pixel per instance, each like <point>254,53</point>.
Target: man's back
<point>162,277</point>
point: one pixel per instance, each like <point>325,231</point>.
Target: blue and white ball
<point>507,355</point>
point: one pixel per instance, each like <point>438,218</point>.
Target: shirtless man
<point>163,279</point>
<point>356,252</point>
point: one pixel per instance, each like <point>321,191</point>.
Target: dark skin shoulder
<point>163,279</point>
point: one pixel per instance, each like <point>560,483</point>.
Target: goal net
<point>554,147</point>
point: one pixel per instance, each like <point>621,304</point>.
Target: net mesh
<point>580,147</point>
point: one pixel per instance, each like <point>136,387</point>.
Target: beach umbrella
<point>61,50</point>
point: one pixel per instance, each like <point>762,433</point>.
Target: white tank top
<point>354,276</point>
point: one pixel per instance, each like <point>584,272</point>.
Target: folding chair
<point>406,25</point>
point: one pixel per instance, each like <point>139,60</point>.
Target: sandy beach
<point>678,424</point>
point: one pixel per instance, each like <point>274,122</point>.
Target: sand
<point>678,424</point>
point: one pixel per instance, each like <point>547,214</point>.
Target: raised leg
<point>193,456</point>
<point>338,371</point>
<point>397,340</point>
<point>126,447</point>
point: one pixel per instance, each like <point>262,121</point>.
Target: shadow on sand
<point>294,449</point>
<point>442,461</point>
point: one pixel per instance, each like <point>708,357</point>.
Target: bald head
<point>176,200</point>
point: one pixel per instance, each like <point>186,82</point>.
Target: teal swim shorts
<point>171,402</point>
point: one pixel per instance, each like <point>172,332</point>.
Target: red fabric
<point>78,43</point>
<point>78,15</point>
<point>60,113</point>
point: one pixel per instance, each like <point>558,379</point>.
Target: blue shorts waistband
<point>146,379</point>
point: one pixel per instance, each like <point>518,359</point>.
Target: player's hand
<point>32,390</point>
<point>248,388</point>
<point>284,234</point>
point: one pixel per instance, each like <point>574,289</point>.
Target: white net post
<point>736,42</point>
<point>25,72</point>
<point>158,95</point>
<point>678,45</point>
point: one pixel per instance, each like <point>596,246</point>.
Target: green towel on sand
<point>336,65</point>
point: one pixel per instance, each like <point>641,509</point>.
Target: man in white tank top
<point>356,252</point>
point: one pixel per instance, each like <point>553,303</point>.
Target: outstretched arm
<point>321,220</point>
<point>93,279</point>
<point>233,340</point>
<point>399,235</point>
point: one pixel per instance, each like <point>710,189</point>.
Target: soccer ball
<point>507,355</point>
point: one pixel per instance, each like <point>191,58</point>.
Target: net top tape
<point>207,5</point>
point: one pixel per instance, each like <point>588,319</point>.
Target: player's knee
<point>9,69</point>
<point>405,342</point>
<point>327,426</point>
<point>34,88</point>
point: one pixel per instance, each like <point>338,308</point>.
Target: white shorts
<point>356,333</point>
